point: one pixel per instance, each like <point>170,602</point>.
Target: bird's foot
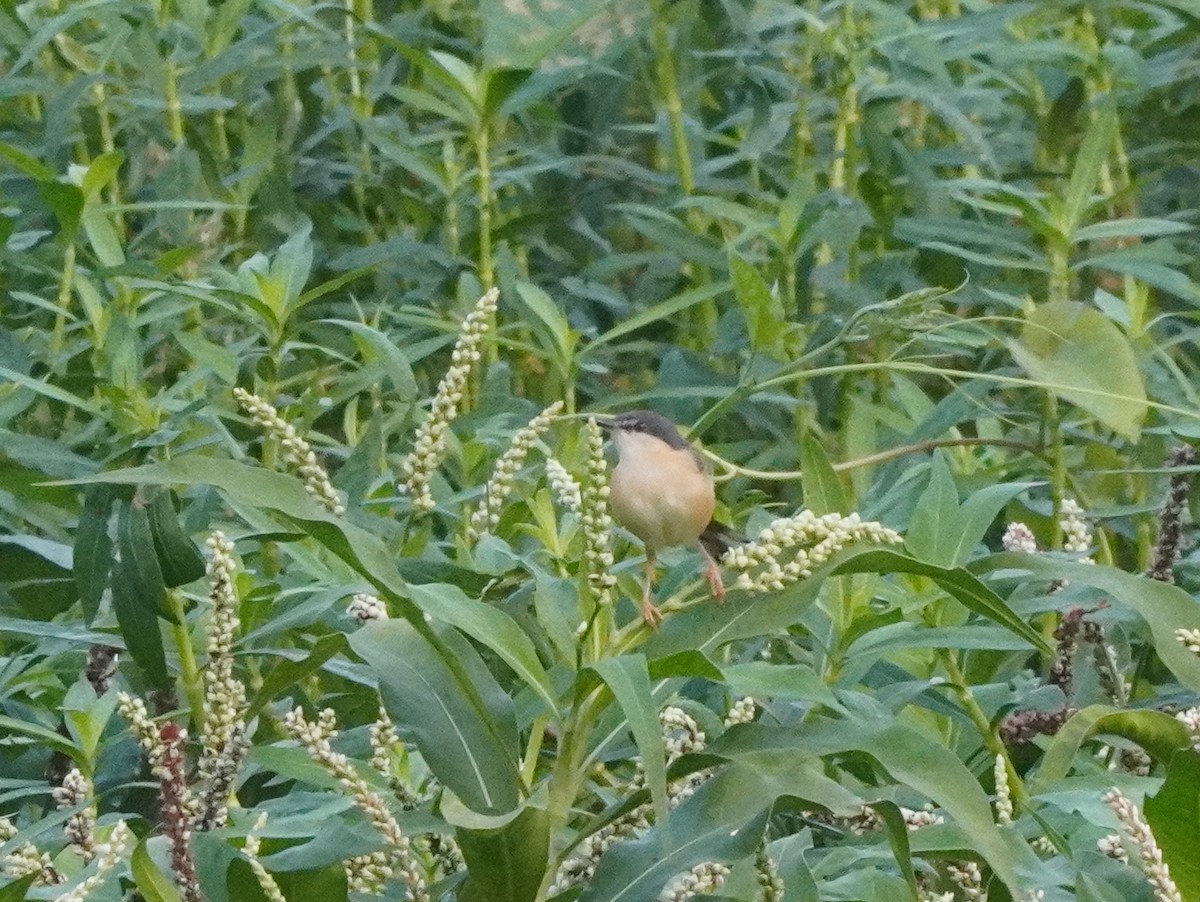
<point>652,615</point>
<point>715,584</point>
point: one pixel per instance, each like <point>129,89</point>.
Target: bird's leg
<point>650,613</point>
<point>712,573</point>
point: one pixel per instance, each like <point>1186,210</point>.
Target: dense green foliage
<point>930,262</point>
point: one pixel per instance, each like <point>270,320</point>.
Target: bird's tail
<point>718,538</point>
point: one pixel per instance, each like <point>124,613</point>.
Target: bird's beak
<point>605,423</point>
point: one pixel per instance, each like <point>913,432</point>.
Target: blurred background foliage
<point>934,248</point>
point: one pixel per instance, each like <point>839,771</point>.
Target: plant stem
<point>189,671</point>
<point>668,86</point>
<point>991,739</point>
<point>1058,466</point>
<point>483,162</point>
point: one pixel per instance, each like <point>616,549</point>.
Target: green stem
<point>991,739</point>
<point>484,163</point>
<point>1058,465</point>
<point>65,287</point>
<point>668,85</point>
<point>193,683</point>
<point>565,780</point>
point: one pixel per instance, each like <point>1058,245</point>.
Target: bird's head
<point>637,427</point>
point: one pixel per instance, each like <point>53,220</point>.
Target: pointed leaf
<point>1077,353</point>
<point>628,678</point>
<point>92,557</point>
<point>470,747</point>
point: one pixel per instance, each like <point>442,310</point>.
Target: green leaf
<point>1159,734</point>
<point>16,890</point>
<point>911,758</point>
<point>1165,608</point>
<point>153,884</point>
<point>27,164</point>
<point>221,360</point>
<point>897,834</point>
<point>523,34</point>
<point>1174,816</point>
<point>932,535</point>
<point>639,869</point>
<point>491,627</point>
<point>13,727</point>
<point>976,514</point>
<point>959,583</point>
<point>178,557</point>
<point>1076,352</point>
<point>137,560</point>
<point>37,573</point>
<point>102,170</point>
<point>287,673</point>
<point>507,864</point>
<point>823,492</point>
<point>550,322</point>
<point>660,311</point>
<point>470,747</point>
<point>628,678</point>
<point>762,310</point>
<point>1095,149</point>
<point>395,364</point>
<point>137,617</point>
<point>86,715</point>
<point>781,682</point>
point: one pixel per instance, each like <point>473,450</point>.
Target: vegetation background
<point>931,262</point>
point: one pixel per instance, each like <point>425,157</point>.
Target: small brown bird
<point>662,492</point>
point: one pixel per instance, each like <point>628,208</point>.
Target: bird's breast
<point>661,496</point>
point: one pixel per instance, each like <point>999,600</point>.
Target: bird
<point>662,492</point>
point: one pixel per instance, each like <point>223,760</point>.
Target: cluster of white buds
<point>581,866</point>
<point>487,516</point>
<point>315,738</point>
<point>597,523</point>
<point>26,859</point>
<point>80,828</point>
<point>365,607</point>
<point>1191,720</point>
<point>1190,639</point>
<point>108,856</point>
<point>1150,858</point>
<point>223,726</point>
<point>926,817</point>
<point>1019,537</point>
<point>1043,845</point>
<point>296,450</point>
<point>564,486</point>
<point>1077,532</point>
<point>1112,846</point>
<point>429,447</point>
<point>743,711</point>
<point>265,881</point>
<point>1034,895</point>
<point>969,878</point>
<point>1004,804</point>
<point>810,541</point>
<point>133,709</point>
<point>383,740</point>
<point>368,873</point>
<point>681,734</point>
<point>703,878</point>
<point>770,884</point>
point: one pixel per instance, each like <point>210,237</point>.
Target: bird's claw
<point>715,584</point>
<point>652,615</point>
